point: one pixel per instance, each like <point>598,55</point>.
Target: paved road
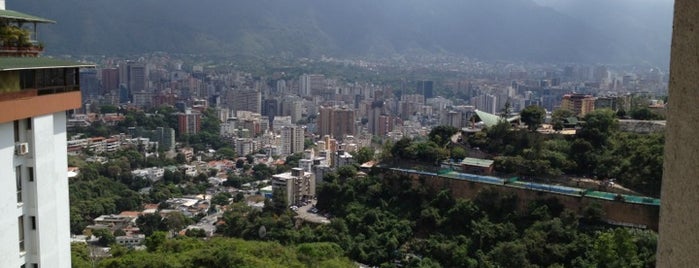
<point>304,214</point>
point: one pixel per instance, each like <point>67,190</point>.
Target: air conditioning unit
<point>22,148</point>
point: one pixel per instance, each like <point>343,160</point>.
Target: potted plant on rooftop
<point>13,36</point>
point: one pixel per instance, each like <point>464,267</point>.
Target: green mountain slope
<point>494,29</point>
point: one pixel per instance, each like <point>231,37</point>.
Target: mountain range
<point>521,30</point>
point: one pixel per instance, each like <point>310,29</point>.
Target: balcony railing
<point>29,93</point>
<point>20,51</point>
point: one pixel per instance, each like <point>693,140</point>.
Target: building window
<point>27,79</point>
<point>30,173</point>
<point>33,222</point>
<point>35,265</point>
<point>20,222</point>
<point>16,127</point>
<point>72,77</point>
<point>18,176</point>
<point>28,123</point>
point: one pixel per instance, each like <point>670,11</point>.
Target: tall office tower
<point>311,84</point>
<point>110,80</point>
<point>270,107</point>
<point>89,84</point>
<point>133,76</point>
<point>292,140</point>
<point>137,77</point>
<point>35,94</point>
<point>336,121</point>
<point>426,88</point>
<point>579,104</point>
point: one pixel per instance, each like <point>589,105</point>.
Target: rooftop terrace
<point>18,34</point>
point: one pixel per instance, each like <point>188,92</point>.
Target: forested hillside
<point>502,29</point>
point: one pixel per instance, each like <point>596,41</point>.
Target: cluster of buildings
<point>257,111</point>
<point>299,184</point>
<point>148,141</point>
<point>125,224</point>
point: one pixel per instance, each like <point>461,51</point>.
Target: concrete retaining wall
<point>616,212</point>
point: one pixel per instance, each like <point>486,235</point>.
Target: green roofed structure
<point>25,63</point>
<point>18,33</point>
<point>16,16</point>
<point>490,120</point>
<point>477,162</point>
<point>470,165</point>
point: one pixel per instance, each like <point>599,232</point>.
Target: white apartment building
<point>296,185</point>
<point>292,140</point>
<point>35,94</point>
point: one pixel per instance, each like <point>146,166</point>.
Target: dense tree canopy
<point>92,195</point>
<point>425,151</point>
<point>559,116</point>
<point>380,221</point>
<point>598,150</point>
<point>364,154</point>
<point>441,135</point>
<point>533,116</point>
<point>220,252</point>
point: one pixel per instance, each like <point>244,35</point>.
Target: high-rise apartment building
<point>486,102</point>
<point>110,80</point>
<point>385,125</point>
<point>311,84</point>
<point>188,122</point>
<point>292,107</point>
<point>336,122</point>
<point>35,94</point>
<point>579,104</point>
<point>374,110</point>
<point>246,100</point>
<point>292,140</point>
